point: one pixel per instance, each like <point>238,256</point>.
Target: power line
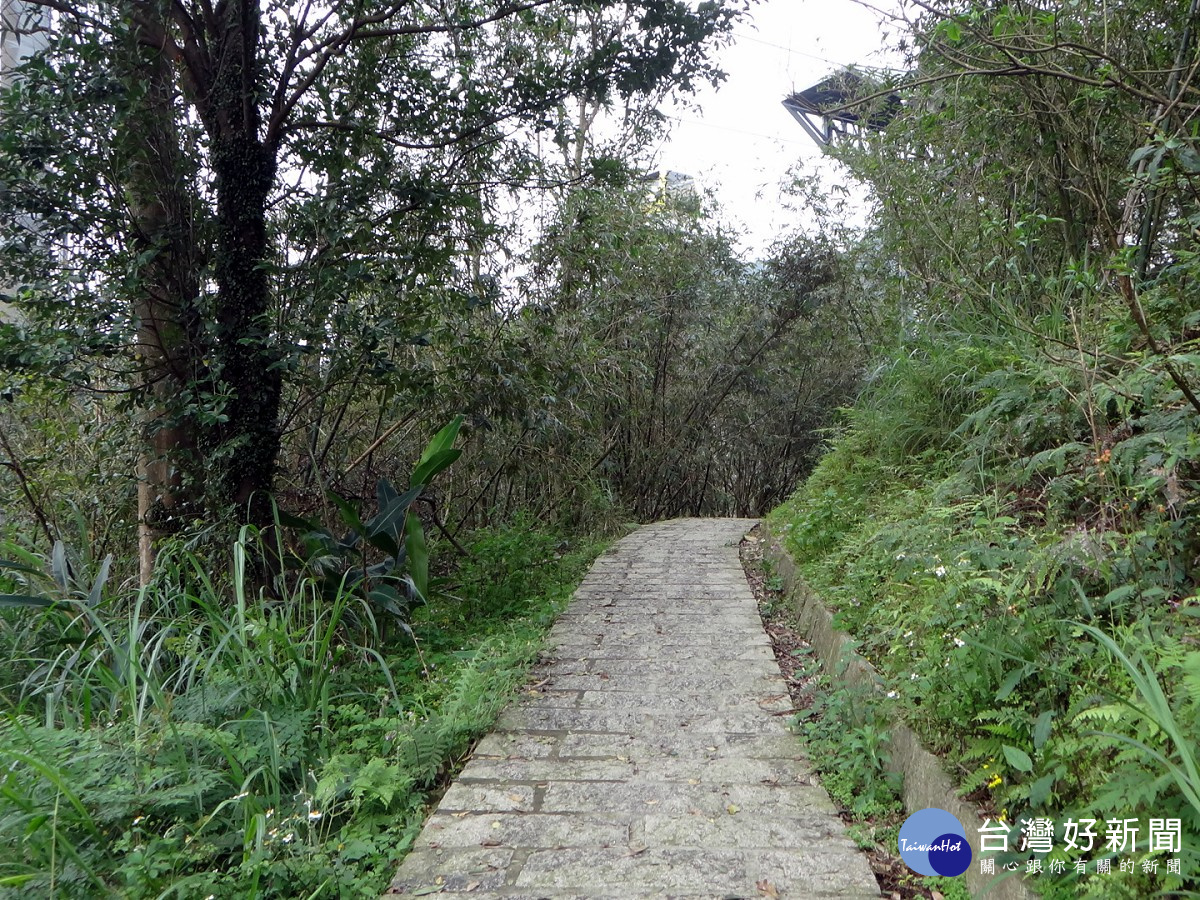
<point>790,50</point>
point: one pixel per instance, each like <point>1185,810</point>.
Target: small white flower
<point>913,677</point>
<point>892,695</point>
<point>940,571</point>
<point>959,642</point>
<point>314,815</point>
<point>900,556</point>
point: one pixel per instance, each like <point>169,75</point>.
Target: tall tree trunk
<point>247,353</point>
<point>159,187</point>
<point>245,171</point>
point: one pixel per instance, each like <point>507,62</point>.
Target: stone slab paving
<point>653,756</point>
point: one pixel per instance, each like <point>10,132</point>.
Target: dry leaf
<point>937,895</point>
<point>472,885</point>
<point>732,809</point>
<point>767,889</point>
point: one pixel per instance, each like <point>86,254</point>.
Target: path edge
<point>926,783</point>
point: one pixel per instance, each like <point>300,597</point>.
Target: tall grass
<point>206,735</point>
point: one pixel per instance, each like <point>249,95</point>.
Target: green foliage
<point>1008,521</point>
<point>239,743</point>
<point>701,380</point>
<point>400,579</point>
<point>846,731</point>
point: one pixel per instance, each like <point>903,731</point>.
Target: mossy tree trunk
<point>246,379</point>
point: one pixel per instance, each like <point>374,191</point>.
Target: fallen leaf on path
<point>733,809</point>
<point>472,885</point>
<point>767,889</point>
<point>937,895</point>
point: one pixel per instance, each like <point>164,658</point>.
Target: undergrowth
<point>1017,554</point>
<point>203,737</point>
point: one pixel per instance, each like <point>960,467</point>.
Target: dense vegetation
<point>1007,521</point>
<point>334,341</point>
<point>334,336</point>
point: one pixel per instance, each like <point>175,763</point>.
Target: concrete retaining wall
<point>925,783</point>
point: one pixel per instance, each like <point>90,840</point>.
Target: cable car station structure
<point>837,108</point>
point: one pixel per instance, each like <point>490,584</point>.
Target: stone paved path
<point>652,759</point>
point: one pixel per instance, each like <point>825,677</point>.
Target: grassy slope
<point>971,526</point>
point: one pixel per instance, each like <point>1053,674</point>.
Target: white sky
<point>740,142</point>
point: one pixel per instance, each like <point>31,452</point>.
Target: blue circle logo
<point>933,842</point>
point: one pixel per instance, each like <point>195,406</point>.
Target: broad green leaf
<point>433,459</point>
<point>1039,791</point>
<point>418,556</point>
<point>1017,758</point>
<point>385,492</point>
<point>388,599</point>
<point>1041,730</point>
<point>1116,595</point>
<point>1011,680</point>
<point>390,521</point>
<point>425,472</point>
